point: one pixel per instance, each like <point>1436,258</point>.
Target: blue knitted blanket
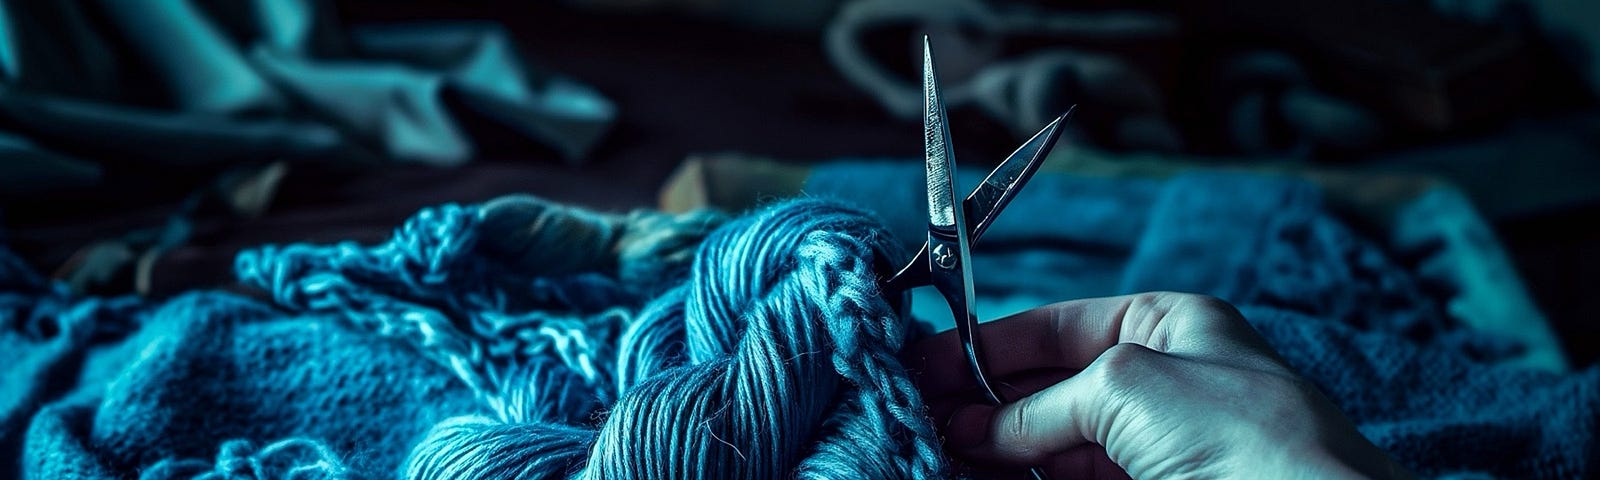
<point>524,339</point>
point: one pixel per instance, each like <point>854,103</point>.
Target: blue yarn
<point>47,313</point>
<point>766,350</point>
<point>652,342</point>
<point>429,285</point>
<point>289,459</point>
<point>775,357</point>
<point>782,306</point>
<point>41,308</point>
<point>642,345</point>
<point>476,447</point>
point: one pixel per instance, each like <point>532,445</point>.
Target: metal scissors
<point>944,260</point>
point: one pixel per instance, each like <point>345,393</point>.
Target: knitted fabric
<point>524,339</point>
<point>210,368</point>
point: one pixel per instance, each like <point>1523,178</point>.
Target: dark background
<point>688,84</point>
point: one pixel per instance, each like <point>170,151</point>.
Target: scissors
<point>944,260</point>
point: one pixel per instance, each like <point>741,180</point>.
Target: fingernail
<point>968,427</point>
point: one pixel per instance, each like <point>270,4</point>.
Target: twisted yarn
<point>780,308</point>
<point>643,345</point>
<point>774,358</point>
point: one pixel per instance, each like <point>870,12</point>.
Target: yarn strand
<point>643,345</point>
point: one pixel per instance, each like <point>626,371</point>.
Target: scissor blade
<point>948,243</point>
<point>936,140</point>
<point>1002,184</point>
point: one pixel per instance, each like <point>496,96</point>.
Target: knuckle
<point>1154,312</point>
<point>1147,301</point>
<point>1120,365</point>
<point>1016,425</point>
<point>1011,433</point>
<point>1165,301</point>
<point>1206,303</point>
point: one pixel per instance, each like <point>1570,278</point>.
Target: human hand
<point>1154,385</point>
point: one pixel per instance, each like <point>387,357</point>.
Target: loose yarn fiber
<point>644,345</point>
<point>774,358</point>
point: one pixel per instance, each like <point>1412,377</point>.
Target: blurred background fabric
<point>174,83</point>
<point>107,104</point>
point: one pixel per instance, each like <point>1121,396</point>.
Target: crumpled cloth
<point>361,350</point>
<point>1442,398</point>
<point>128,388</point>
<point>91,91</point>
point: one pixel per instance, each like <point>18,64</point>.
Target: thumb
<point>1028,431</point>
<point>1040,428</point>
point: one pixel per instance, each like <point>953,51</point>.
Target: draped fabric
<point>92,92</point>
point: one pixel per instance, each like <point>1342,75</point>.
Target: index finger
<point>1030,340</point>
<point>1072,334</point>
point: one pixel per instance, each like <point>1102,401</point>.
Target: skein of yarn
<point>775,357</point>
<point>643,345</point>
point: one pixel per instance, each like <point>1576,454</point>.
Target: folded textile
<point>134,86</point>
<point>158,108</point>
<point>1022,91</point>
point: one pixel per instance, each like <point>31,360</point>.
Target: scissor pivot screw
<point>943,257</point>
